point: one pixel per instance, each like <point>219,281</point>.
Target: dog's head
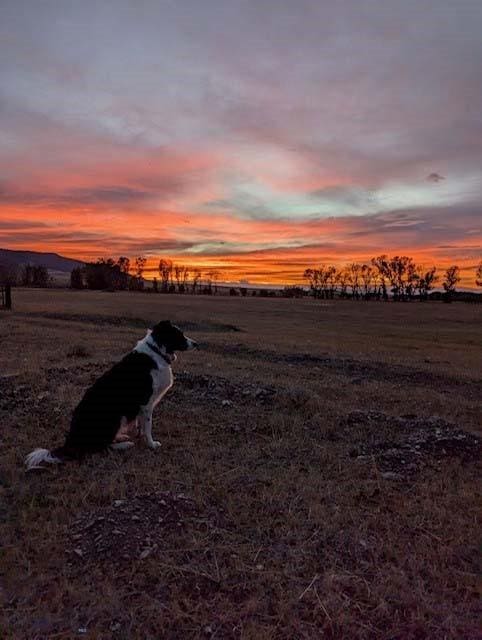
<point>167,335</point>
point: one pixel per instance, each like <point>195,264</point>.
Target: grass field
<point>318,476</point>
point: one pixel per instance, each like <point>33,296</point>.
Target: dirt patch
<point>127,321</point>
<point>358,371</point>
<point>128,529</point>
<point>220,390</point>
<point>18,395</point>
<point>403,446</point>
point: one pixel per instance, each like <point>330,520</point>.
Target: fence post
<point>8,296</point>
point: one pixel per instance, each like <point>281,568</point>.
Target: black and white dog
<point>124,396</point>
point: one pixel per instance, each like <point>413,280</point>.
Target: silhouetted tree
<point>322,281</point>
<point>426,282</point>
<point>178,275</point>
<point>8,274</point>
<point>292,292</point>
<point>400,272</point>
<point>382,274</point>
<point>103,274</point>
<point>137,282</point>
<point>140,266</point>
<point>165,273</point>
<point>452,277</point>
<point>184,279</point>
<point>354,273</point>
<point>77,278</point>
<point>312,276</point>
<point>343,280</point>
<point>478,275</point>
<point>366,273</point>
<point>196,278</point>
<point>34,276</point>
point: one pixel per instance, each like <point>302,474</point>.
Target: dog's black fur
<point>119,393</point>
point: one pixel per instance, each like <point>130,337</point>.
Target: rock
<point>390,475</point>
<point>227,403</point>
<point>117,503</point>
<point>78,552</point>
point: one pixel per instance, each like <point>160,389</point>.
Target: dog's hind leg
<point>145,421</point>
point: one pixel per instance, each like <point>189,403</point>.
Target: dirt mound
<point>221,390</point>
<point>129,529</point>
<point>402,446</point>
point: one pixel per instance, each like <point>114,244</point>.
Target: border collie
<point>121,399</point>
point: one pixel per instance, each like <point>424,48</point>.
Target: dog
<point>122,400</point>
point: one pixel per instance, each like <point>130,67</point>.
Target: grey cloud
<point>434,177</point>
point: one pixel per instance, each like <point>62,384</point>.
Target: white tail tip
<point>35,459</point>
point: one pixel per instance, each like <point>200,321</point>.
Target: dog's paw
<point>155,444</point>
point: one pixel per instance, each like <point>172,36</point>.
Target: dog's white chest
<point>162,381</point>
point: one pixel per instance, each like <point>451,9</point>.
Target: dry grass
<point>269,509</point>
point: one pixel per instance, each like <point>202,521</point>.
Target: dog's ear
<point>163,324</point>
<point>160,331</point>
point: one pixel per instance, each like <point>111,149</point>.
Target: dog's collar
<point>165,356</point>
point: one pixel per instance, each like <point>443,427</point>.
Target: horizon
<point>255,140</point>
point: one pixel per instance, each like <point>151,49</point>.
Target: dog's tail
<point>38,457</point>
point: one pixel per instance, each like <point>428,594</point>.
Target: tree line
<point>25,275</point>
<point>121,274</point>
<point>399,276</point>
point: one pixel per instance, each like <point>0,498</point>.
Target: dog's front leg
<point>145,420</point>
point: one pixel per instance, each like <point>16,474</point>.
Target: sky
<point>254,137</point>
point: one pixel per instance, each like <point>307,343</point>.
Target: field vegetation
<point>318,474</point>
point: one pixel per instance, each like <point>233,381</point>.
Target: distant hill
<point>52,261</point>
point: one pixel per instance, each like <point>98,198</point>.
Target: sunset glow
<point>243,137</point>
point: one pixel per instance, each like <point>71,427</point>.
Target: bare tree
<point>216,276</point>
<point>124,265</point>
<point>184,279</point>
<point>312,276</point>
<point>426,282</point>
<point>212,278</point>
<point>367,279</point>
<point>77,278</point>
<point>165,273</point>
<point>34,275</point>
<point>322,281</point>
<point>140,266</point>
<point>354,272</point>
<point>381,265</point>
<point>452,277</point>
<point>8,274</point>
<point>400,272</point>
<point>478,275</point>
<point>196,278</point>
<point>333,277</point>
<point>343,280</point>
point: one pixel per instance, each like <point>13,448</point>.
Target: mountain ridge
<point>53,261</point>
